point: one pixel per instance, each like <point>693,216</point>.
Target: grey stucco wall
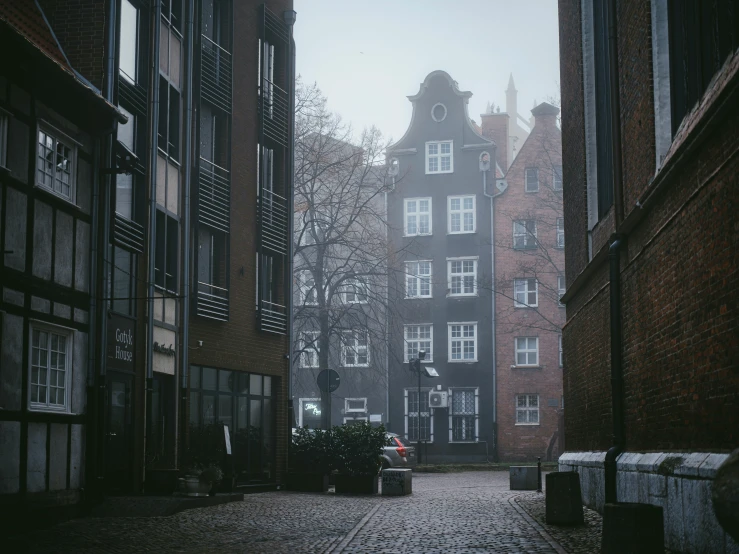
<point>11,359</point>
<point>15,229</point>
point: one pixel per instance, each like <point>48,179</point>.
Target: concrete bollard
<point>564,499</point>
<point>631,527</point>
<point>397,482</point>
<point>524,478</point>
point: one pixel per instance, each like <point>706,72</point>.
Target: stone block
<point>674,514</point>
<point>691,463</point>
<point>524,478</point>
<point>657,485</point>
<point>630,527</point>
<point>627,486</point>
<point>397,482</point>
<point>563,499</point>
<point>709,467</point>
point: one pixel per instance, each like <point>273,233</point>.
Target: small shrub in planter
<point>357,450</point>
<point>310,459</point>
<point>205,454</point>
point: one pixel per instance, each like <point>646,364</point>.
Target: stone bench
<point>397,482</point>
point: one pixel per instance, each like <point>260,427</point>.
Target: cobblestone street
<point>457,512</point>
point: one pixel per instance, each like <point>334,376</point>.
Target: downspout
<point>154,141</point>
<point>617,382</point>
<point>187,251</point>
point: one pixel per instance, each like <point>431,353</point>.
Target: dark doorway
<point>118,433</point>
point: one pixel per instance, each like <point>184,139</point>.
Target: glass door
<point>118,433</point>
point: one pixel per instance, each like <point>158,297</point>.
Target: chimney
<point>495,126</point>
<point>545,114</point>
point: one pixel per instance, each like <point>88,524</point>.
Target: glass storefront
<point>243,402</point>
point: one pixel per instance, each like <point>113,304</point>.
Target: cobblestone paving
<point>456,512</point>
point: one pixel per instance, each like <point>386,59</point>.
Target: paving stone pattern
<point>455,512</point>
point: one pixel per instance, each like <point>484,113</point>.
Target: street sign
<point>328,380</point>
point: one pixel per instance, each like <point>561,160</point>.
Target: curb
<point>546,536</point>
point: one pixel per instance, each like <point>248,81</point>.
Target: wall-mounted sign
<point>168,350</point>
<point>121,342</point>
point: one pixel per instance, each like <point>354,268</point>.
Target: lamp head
<point>421,354</point>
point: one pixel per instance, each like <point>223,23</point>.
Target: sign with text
<point>121,342</point>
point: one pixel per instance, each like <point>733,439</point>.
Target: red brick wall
<point>495,127</point>
<point>526,442</point>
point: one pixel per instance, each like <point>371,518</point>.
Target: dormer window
<point>439,157</point>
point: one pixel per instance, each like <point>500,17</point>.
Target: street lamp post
<point>417,368</point>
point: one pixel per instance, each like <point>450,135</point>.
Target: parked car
<point>398,453</point>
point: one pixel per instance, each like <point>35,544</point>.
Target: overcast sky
<point>368,55</point>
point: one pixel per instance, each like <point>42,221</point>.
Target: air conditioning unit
<point>438,399</point>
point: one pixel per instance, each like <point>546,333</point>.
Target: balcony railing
<point>132,94</point>
<point>215,69</point>
<point>274,112</point>
<point>272,318</point>
<point>128,234</point>
<point>214,196</point>
<point>272,217</point>
<point>212,302</point>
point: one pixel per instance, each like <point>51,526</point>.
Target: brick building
<point>650,142</point>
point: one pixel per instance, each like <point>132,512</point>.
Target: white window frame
<point>438,156</point>
<point>355,288</point>
<point>361,418</point>
<point>304,277</point>
<point>361,410</point>
<point>419,279</point>
<point>424,390</point>
<point>476,414</point>
<point>350,340</point>
<point>461,339</point>
<point>560,226</point>
<point>529,238</point>
<point>462,211</point>
<point>418,213</point>
<point>521,286</point>
<point>68,334</point>
<point>557,178</point>
<point>463,274</point>
<point>561,288</point>
<point>561,352</point>
<point>526,179</point>
<point>526,351</point>
<point>58,137</point>
<point>528,409</point>
<point>429,352</point>
<point>4,126</point>
<point>302,401</point>
<point>311,348</point>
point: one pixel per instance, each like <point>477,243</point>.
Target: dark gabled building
<point>650,142</point>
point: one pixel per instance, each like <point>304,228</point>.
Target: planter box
<point>356,484</point>
<point>192,486</point>
<point>307,482</point>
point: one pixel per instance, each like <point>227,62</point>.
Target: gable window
<point>527,351</point>
<point>561,288</point>
<point>50,368</point>
<point>532,179</point>
<point>56,163</point>
<point>418,279</point>
<point>355,292</point>
<point>307,286</point>
<point>462,342</point>
<point>417,216</point>
<point>310,349</point>
<point>524,234</point>
<point>3,138</point>
<point>527,409</point>
<point>463,415</point>
<point>525,293</point>
<point>461,214</point>
<point>557,177</point>
<point>355,349</point>
<point>462,275</point>
<point>419,337</point>
<point>439,157</point>
<point>418,419</point>
<point>560,232</point>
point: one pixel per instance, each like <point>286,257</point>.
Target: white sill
<point>525,367</point>
<point>525,306</point>
<point>424,361</point>
<point>418,297</point>
<point>461,232</point>
<point>49,410</point>
<point>473,295</point>
<point>419,235</point>
<point>357,365</point>
<point>527,424</point>
<point>462,361</point>
<point>439,172</point>
<point>464,442</point>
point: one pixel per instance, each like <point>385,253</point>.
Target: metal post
<point>538,474</point>
<point>418,369</point>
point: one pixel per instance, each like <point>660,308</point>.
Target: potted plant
<point>204,455</point>
<point>358,449</point>
<point>310,456</point>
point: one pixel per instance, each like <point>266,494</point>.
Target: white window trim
<point>461,212</point>
<point>516,303</point>
<point>449,261</point>
<point>362,418</point>
<point>314,349</point>
<point>353,335</point>
<point>526,180</point>
<point>561,290</point>
<point>355,284</point>
<point>560,232</point>
<point>73,145</point>
<point>477,415</point>
<point>526,234</point>
<point>555,175</point>
<point>4,127</point>
<point>70,335</point>
<point>430,213</point>
<point>429,353</point>
<point>355,410</point>
<point>450,339</point>
<point>304,289</point>
<point>418,279</point>
<point>451,157</point>
<point>406,417</point>
<point>302,401</point>
<point>538,409</point>
<point>561,352</point>
<point>515,352</point>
